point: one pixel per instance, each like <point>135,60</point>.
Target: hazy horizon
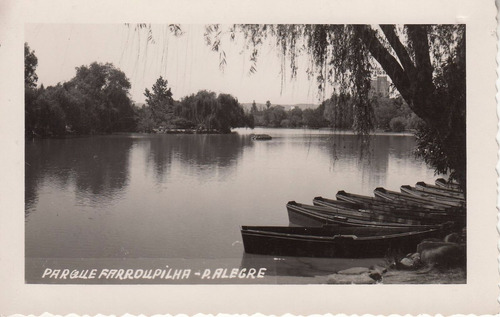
<point>186,62</point>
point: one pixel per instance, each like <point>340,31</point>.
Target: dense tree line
<point>389,114</point>
<point>96,100</point>
<point>203,111</point>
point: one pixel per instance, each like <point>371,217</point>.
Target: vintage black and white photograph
<point>245,153</point>
<point>248,157</point>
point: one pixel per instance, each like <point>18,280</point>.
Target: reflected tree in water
<point>98,167</point>
<point>205,155</point>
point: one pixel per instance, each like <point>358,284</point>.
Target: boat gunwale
<point>335,238</point>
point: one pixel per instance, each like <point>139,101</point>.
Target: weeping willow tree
<point>426,64</point>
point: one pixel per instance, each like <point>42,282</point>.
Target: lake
<point>146,200</point>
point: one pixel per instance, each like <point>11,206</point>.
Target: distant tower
<point>379,87</point>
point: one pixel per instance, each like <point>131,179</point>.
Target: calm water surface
<point>186,196</point>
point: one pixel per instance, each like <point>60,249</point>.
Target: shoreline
<point>190,132</point>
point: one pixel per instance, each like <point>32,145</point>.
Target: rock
<point>354,271</point>
<point>415,256</point>
<point>445,255</point>
<point>376,272</point>
<point>407,262</point>
<point>375,275</point>
<point>410,262</point>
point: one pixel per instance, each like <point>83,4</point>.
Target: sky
<point>186,62</point>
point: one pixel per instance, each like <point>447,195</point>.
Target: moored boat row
<point>314,215</point>
<point>383,208</point>
<point>361,226</point>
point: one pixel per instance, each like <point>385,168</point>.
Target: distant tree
<point>250,120</point>
<point>49,112</point>
<point>145,122</point>
<point>253,110</point>
<point>339,111</point>
<point>229,113</point>
<point>30,64</point>
<point>397,124</point>
<point>160,102</point>
<point>276,114</point>
<point>268,104</point>
<point>314,118</point>
<point>104,91</point>
<point>285,123</point>
<point>30,91</point>
<point>295,117</point>
<point>215,113</point>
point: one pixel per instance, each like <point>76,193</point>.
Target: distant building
<point>379,87</point>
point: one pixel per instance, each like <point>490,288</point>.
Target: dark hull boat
<point>435,190</point>
<point>452,202</point>
<point>384,208</point>
<point>333,242</point>
<point>306,215</point>
<point>441,182</point>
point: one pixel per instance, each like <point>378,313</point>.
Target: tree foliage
<point>426,64</point>
<point>160,101</point>
<point>30,64</point>
<point>96,100</point>
<point>211,112</point>
<point>103,103</point>
<point>205,111</point>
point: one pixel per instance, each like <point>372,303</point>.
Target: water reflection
<point>371,155</point>
<point>97,166</point>
<point>205,156</point>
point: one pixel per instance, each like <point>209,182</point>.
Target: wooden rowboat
<point>384,208</point>
<point>435,190</point>
<point>421,209</point>
<point>453,202</point>
<point>408,199</point>
<point>333,242</point>
<point>441,182</point>
<point>357,212</point>
<point>307,215</point>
